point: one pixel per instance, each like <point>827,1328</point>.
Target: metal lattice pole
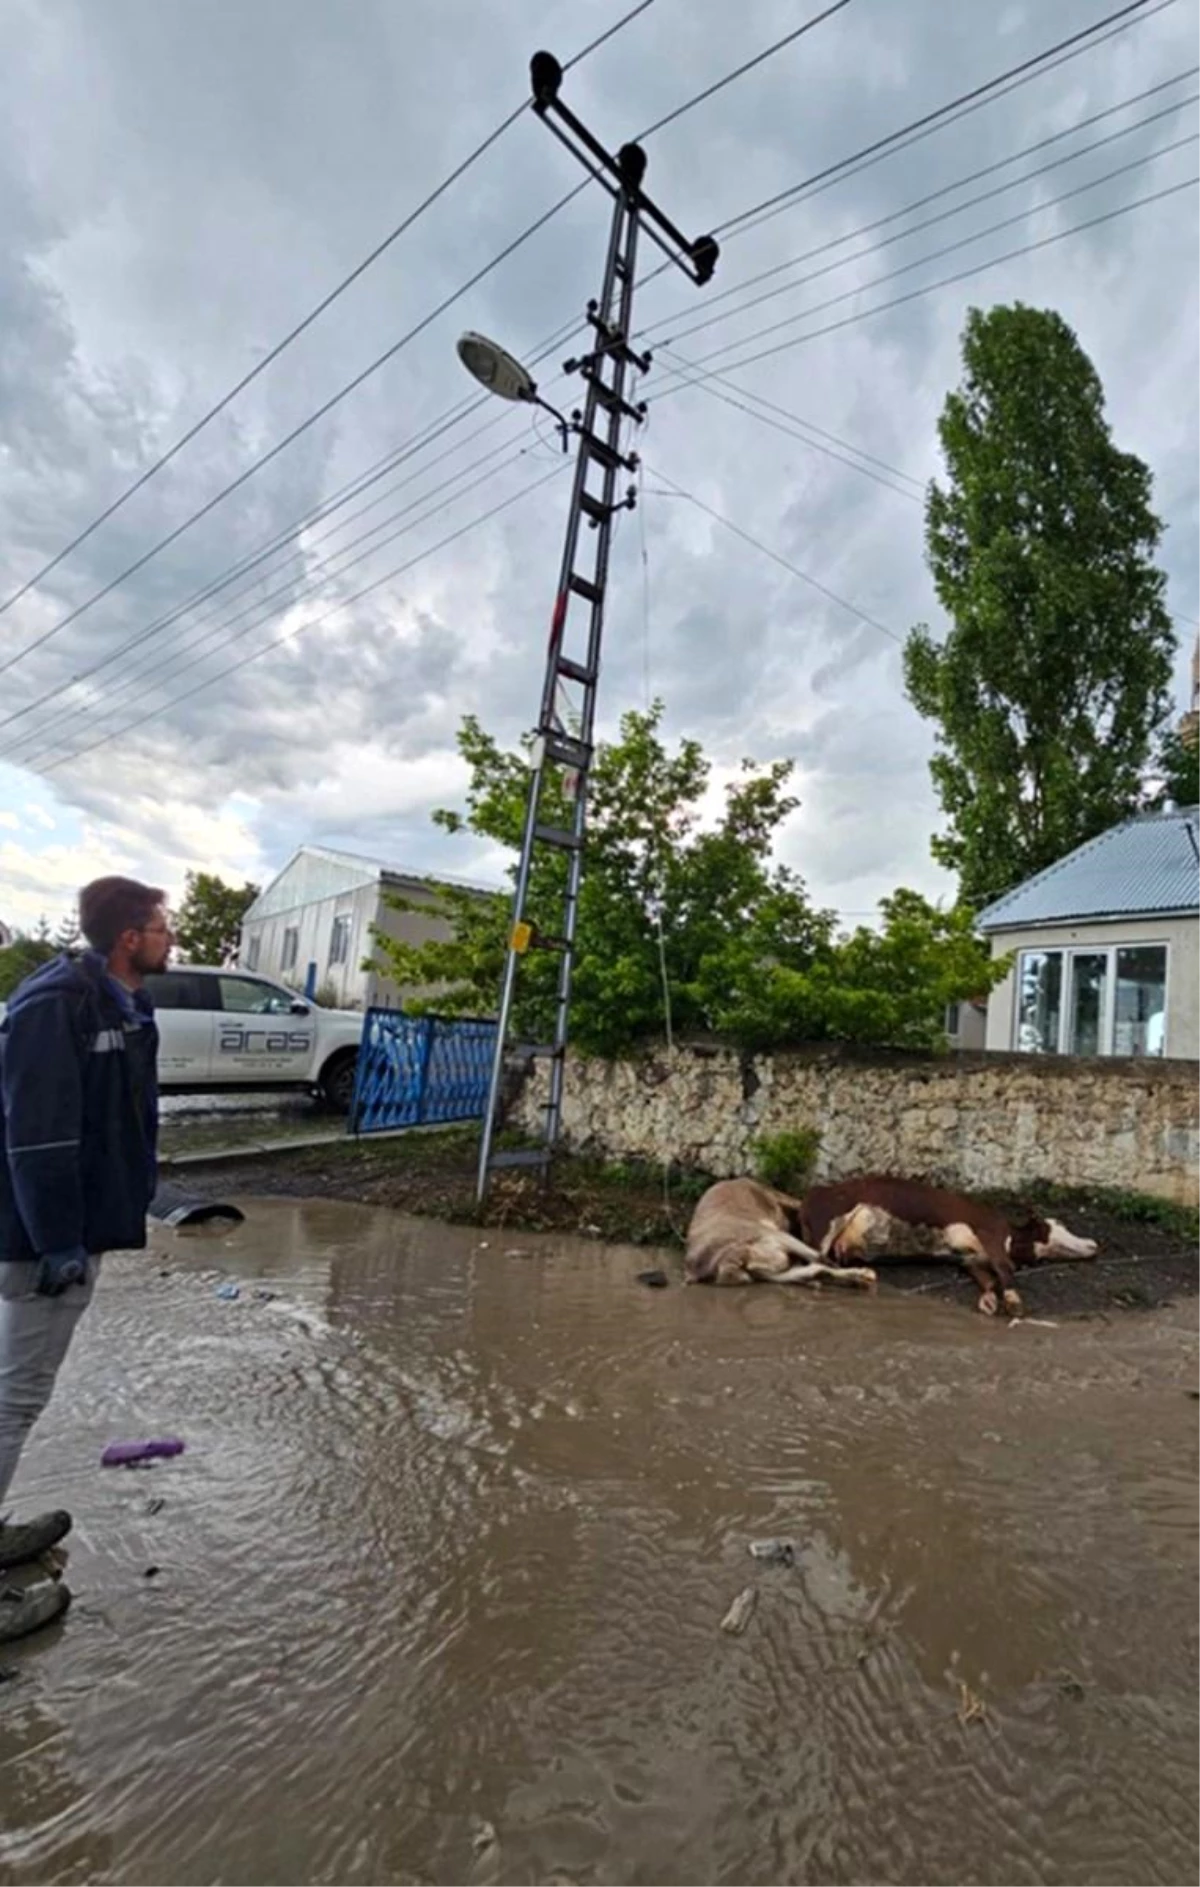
<point>564,739</point>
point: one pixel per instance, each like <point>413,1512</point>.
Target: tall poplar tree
<point>1052,681</point>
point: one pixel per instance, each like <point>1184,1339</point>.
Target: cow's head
<point>1035,1239</point>
<point>1055,1241</point>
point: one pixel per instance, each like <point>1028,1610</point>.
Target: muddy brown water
<point>442,1571</point>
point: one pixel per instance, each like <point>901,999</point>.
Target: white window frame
<point>288,961</point>
<point>1109,1016</point>
<point>252,951</point>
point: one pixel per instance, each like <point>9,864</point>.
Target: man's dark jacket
<point>78,1112</point>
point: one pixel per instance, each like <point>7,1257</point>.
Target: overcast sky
<point>180,183</point>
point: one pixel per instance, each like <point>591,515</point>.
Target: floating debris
<point>228,1291</point>
<point>130,1454</point>
<point>971,1709</point>
<point>737,1617</point>
<point>656,1280</point>
<point>484,1837</point>
<point>774,1552</point>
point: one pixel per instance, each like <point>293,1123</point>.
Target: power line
<point>301,326</point>
<point>1033,209</point>
<point>283,608</point>
<point>918,129</point>
<point>135,677</point>
<point>290,636</point>
<point>740,71</point>
<point>846,168</point>
<point>289,438</point>
<point>680,491</point>
<point>932,196</point>
<point>465,407</point>
<point>242,569</point>
<point>944,282</point>
<point>931,118</point>
<point>354,488</point>
<point>344,495</point>
<point>294,591</point>
<point>453,416</point>
<point>373,367</point>
<point>712,383</point>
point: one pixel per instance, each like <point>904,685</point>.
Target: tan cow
<point>743,1231</point>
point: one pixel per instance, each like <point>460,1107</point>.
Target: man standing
<point>78,1136</point>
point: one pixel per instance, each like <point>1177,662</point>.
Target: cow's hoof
<point>987,1303</point>
<point>1013,1306</point>
<point>868,1278</point>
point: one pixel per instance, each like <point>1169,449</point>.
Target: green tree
<point>1175,770</point>
<point>66,937</point>
<point>744,951</point>
<point>713,895</point>
<point>1054,673</point>
<point>21,958</point>
<point>888,987</point>
<point>209,923</point>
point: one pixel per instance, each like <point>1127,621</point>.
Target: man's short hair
<point>109,906</point>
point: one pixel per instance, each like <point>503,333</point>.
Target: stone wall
<point>976,1120</point>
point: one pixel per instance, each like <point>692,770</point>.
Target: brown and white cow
<point>743,1231</point>
<point>874,1214</point>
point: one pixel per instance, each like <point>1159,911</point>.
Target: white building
<point>320,910</point>
<point>1107,946</point>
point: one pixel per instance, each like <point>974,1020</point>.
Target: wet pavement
<point>441,1575</point>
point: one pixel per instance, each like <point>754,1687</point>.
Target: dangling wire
<point>662,945</point>
<point>658,902</point>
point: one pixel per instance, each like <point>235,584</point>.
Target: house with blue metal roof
<point>1107,946</point>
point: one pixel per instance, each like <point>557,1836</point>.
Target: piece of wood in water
<point>737,1617</point>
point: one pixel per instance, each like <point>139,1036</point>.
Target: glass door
<point>1141,1000</point>
<point>1086,1002</point>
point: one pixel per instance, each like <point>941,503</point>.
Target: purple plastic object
<point>122,1454</point>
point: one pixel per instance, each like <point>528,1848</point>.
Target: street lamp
<point>495,368</point>
<point>501,373</point>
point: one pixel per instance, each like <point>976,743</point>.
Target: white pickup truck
<point>229,1030</point>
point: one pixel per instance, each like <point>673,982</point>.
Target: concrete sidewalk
<point>258,1149</point>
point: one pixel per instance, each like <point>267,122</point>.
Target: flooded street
<point>441,1576</point>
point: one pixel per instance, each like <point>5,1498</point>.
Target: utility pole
<point>563,738</point>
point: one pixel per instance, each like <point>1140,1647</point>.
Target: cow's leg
<point>859,1276</point>
<point>772,1258</point>
<point>1005,1272</point>
<point>996,1280</point>
<point>981,1271</point>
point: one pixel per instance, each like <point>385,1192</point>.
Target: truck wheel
<point>337,1081</point>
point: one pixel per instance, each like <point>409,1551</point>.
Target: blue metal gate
<point>415,1070</point>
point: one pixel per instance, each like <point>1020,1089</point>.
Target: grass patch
<point>1117,1202</point>
<point>787,1161</point>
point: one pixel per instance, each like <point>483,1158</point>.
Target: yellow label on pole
<point>522,937</point>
